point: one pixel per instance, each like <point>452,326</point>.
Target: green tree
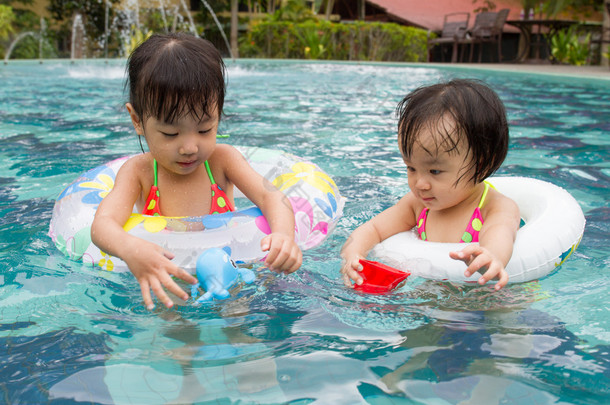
<point>554,7</point>
<point>6,21</point>
<point>293,10</point>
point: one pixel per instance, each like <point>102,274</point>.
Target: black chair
<point>455,26</point>
<point>601,38</point>
<point>488,27</point>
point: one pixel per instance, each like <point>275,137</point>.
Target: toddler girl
<point>452,136</point>
<point>176,95</point>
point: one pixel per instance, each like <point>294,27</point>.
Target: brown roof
<point>429,14</point>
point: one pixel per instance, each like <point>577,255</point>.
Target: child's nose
<point>422,183</point>
<point>189,146</point>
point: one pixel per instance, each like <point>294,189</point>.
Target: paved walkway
<point>593,72</point>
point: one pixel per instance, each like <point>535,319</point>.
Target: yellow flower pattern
<point>306,172</point>
<point>152,224</point>
<point>106,261</point>
<point>104,185</point>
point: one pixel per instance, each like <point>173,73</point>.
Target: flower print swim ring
<point>314,196</point>
<point>554,225</point>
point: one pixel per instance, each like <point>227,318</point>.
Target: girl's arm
<point>496,241</point>
<point>148,262</point>
<point>398,218</point>
<point>284,253</point>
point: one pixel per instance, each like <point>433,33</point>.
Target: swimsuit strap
<point>207,168</point>
<point>220,201</point>
<point>151,207</point>
<point>487,185</point>
<point>421,224</point>
<point>155,172</point>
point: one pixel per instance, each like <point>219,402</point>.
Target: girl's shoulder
<point>137,165</point>
<point>140,160</point>
<point>410,201</point>
<point>226,157</point>
<point>224,152</point>
<point>406,210</point>
<point>498,202</point>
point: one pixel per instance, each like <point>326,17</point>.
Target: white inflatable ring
<point>554,224</point>
<point>314,196</point>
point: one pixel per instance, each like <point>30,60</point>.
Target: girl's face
<point>180,146</point>
<point>433,172</point>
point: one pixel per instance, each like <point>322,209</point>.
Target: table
<point>548,27</point>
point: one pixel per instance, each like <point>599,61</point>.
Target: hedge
<point>335,41</point>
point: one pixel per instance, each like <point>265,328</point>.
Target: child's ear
<point>135,119</point>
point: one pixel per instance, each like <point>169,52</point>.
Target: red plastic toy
<point>379,278</point>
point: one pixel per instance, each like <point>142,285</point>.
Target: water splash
<point>135,6</point>
<point>78,38</point>
<point>106,30</point>
<point>15,42</point>
<point>41,40</point>
<point>222,32</point>
<point>43,29</point>
<point>163,14</point>
<point>188,14</point>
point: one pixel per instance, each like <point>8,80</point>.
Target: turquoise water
<point>70,334</point>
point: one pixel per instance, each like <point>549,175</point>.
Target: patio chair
<point>454,30</point>
<point>600,38</point>
<point>487,28</point>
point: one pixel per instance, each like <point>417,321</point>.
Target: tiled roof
<point>429,14</point>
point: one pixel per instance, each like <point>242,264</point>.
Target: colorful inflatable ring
<point>314,196</point>
<point>554,225</point>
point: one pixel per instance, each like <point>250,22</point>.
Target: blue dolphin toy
<point>217,272</point>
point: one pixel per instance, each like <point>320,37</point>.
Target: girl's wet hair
<point>457,111</point>
<point>173,75</point>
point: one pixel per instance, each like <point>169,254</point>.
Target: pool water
<point>71,334</point>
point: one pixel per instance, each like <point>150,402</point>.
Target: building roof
<point>429,14</point>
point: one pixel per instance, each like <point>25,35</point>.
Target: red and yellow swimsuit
<point>220,202</point>
<point>474,225</point>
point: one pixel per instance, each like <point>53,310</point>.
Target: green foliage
<point>295,11</point>
<point>566,47</point>
<point>6,20</point>
<point>136,37</point>
<point>314,41</point>
<point>554,7</point>
<point>325,40</point>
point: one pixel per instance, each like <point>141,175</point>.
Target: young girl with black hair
<point>452,136</point>
<point>176,95</point>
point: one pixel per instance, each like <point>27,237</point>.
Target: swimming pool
<point>70,334</point>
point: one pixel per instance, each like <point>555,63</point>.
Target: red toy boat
<point>379,278</point>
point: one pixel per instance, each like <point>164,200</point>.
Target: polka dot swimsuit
<point>474,225</point>
<point>220,202</point>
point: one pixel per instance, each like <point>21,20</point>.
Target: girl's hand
<point>152,267</point>
<point>350,271</point>
<point>284,254</point>
<point>479,259</point>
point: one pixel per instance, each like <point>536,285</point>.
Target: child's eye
<point>434,171</point>
<point>170,134</point>
<point>410,169</point>
<point>205,131</point>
